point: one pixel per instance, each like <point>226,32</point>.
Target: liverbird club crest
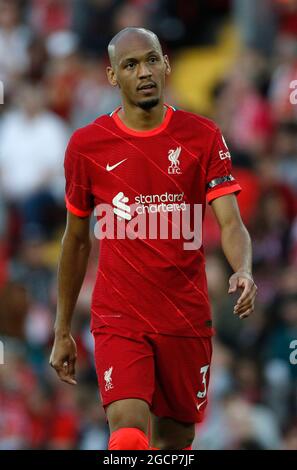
<point>108,379</point>
<point>173,157</point>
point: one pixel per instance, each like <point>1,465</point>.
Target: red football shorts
<point>170,373</point>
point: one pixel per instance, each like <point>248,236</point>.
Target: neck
<point>140,119</point>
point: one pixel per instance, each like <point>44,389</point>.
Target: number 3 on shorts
<point>203,371</point>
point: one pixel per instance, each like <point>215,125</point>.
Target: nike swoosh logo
<point>112,167</point>
<point>199,406</point>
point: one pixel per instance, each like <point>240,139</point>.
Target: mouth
<point>146,87</point>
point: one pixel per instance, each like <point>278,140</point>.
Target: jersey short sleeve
<point>78,195</point>
<point>219,179</point>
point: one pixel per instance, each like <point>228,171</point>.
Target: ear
<point>111,76</point>
<point>167,65</point>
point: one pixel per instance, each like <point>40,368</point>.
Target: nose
<point>144,71</point>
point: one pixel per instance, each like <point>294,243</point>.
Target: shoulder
<point>84,137</point>
<point>197,121</point>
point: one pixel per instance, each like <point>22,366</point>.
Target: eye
<point>153,60</point>
<point>130,65</point>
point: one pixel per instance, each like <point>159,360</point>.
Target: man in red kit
<point>143,164</point>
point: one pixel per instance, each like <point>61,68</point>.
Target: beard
<point>148,104</point>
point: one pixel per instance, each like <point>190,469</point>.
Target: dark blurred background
<point>233,61</point>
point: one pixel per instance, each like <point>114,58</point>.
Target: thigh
<point>182,367</point>
<point>124,366</point>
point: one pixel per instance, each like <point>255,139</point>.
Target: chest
<point>150,166</point>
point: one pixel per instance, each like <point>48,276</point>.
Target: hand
<point>245,304</point>
<point>63,358</point>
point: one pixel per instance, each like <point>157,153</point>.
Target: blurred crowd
<point>52,66</point>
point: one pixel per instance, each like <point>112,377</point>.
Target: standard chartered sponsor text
<point>151,216</point>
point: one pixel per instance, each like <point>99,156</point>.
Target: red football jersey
<point>149,283</point>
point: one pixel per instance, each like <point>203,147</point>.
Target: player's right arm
<point>75,252</point>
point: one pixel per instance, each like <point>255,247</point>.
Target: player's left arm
<point>237,247</point>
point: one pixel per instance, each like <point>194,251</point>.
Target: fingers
<point>67,373</point>
<point>71,370</point>
<point>244,311</point>
<point>232,284</point>
<point>65,370</point>
<point>247,284</point>
<point>245,304</point>
<point>246,314</point>
<point>239,309</point>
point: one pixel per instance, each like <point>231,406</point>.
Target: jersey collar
<point>114,115</point>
